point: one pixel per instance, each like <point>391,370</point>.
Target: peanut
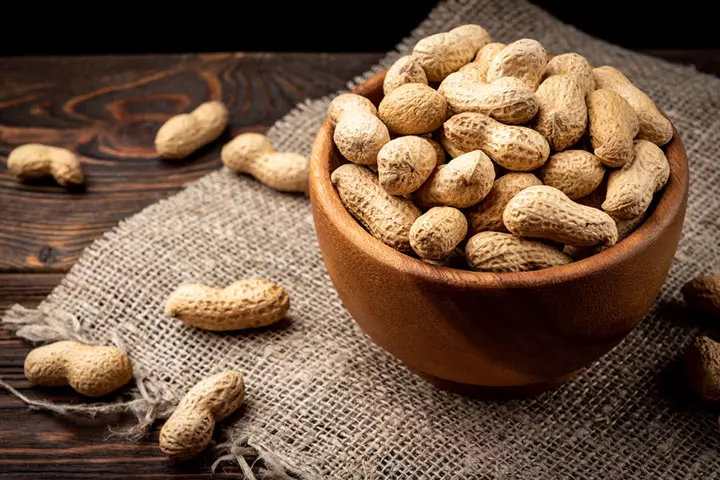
<point>472,71</point>
<point>612,124</point>
<point>576,173</point>
<point>484,57</point>
<point>574,66</point>
<point>386,217</point>
<point>349,102</point>
<point>488,214</point>
<point>359,137</point>
<point>91,371</point>
<point>654,126</point>
<point>452,150</point>
<point>562,114</point>
<point>503,252</point>
<point>437,232</point>
<point>512,147</point>
<point>440,155</point>
<point>630,189</point>
<point>405,70</point>
<point>524,59</point>
<point>703,293</point>
<point>507,99</point>
<point>33,160</point>
<point>405,163</point>
<point>624,228</point>
<point>702,365</point>
<point>460,183</point>
<point>413,109</point>
<point>189,429</point>
<point>444,53</point>
<point>183,134</point>
<point>244,304</point>
<point>546,212</point>
<point>474,35</point>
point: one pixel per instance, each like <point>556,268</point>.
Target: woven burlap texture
<point>321,396</point>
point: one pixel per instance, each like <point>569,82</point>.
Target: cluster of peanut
<point>550,161</point>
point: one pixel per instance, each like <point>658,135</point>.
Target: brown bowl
<point>506,334</point>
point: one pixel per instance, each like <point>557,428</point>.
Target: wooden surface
<point>108,108</point>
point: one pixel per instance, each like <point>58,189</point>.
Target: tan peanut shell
<point>452,150</point>
<point>253,154</point>
<point>386,217</point>
<point>359,137</point>
<point>575,66</point>
<point>443,53</point>
<point>34,160</point>
<point>612,124</point>
<point>546,212</point>
<point>576,173</point>
<point>437,232</point>
<point>89,370</point>
<point>702,293</point>
<point>405,163</point>
<point>515,148</point>
<point>189,429</point>
<point>562,114</point>
<point>460,183</point>
<point>405,70</point>
<point>472,72</point>
<point>484,57</point>
<point>349,103</point>
<point>440,155</point>
<point>474,35</point>
<point>624,228</point>
<point>524,59</point>
<point>488,214</point>
<point>244,304</point>
<point>504,252</point>
<point>413,109</point>
<point>506,99</point>
<point>702,366</point>
<point>654,126</point>
<point>182,134</point>
<point>630,189</point>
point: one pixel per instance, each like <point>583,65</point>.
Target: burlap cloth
<point>322,398</point>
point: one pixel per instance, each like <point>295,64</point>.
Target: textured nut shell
<point>576,173</point>
<point>472,71</point>
<point>244,304</point>
<point>452,150</point>
<point>189,429</point>
<point>91,371</point>
<point>34,160</point>
<point>703,293</point>
<point>515,148</point>
<point>359,137</point>
<point>702,365</point>
<point>488,214</point>
<point>624,227</point>
<point>437,232</point>
<point>349,102</point>
<point>386,217</point>
<point>575,66</point>
<point>612,125</point>
<point>562,114</point>
<point>440,155</point>
<point>405,70</point>
<point>504,252</point>
<point>182,134</point>
<point>460,183</point>
<point>506,99</point>
<point>474,35</point>
<point>405,163</point>
<point>524,59</point>
<point>443,53</point>
<point>654,127</point>
<point>413,109</point>
<point>546,212</point>
<point>630,189</point>
<point>485,56</point>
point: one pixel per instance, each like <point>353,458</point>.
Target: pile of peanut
<point>549,161</point>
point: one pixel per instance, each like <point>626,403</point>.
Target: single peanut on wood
<point>349,103</point>
<point>444,53</point>
<point>613,125</point>
<point>189,429</point>
<point>504,252</point>
<point>630,189</point>
<point>524,59</point>
<point>546,212</point>
<point>437,232</point>
<point>562,114</point>
<point>91,371</point>
<point>576,173</point>
<point>413,109</point>
<point>574,66</point>
<point>405,163</point>
<point>703,293</point>
<point>702,365</point>
<point>253,154</point>
<point>360,136</point>
<point>386,217</point>
<point>34,160</point>
<point>182,134</point>
<point>405,70</point>
<point>244,304</point>
<point>484,57</point>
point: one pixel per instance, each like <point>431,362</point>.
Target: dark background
<point>272,25</point>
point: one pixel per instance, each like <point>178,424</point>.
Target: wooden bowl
<point>493,334</point>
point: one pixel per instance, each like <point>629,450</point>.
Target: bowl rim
<point>670,204</point>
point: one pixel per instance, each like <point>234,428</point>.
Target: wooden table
<point>108,109</point>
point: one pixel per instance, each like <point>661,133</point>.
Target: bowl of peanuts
<point>494,216</point>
